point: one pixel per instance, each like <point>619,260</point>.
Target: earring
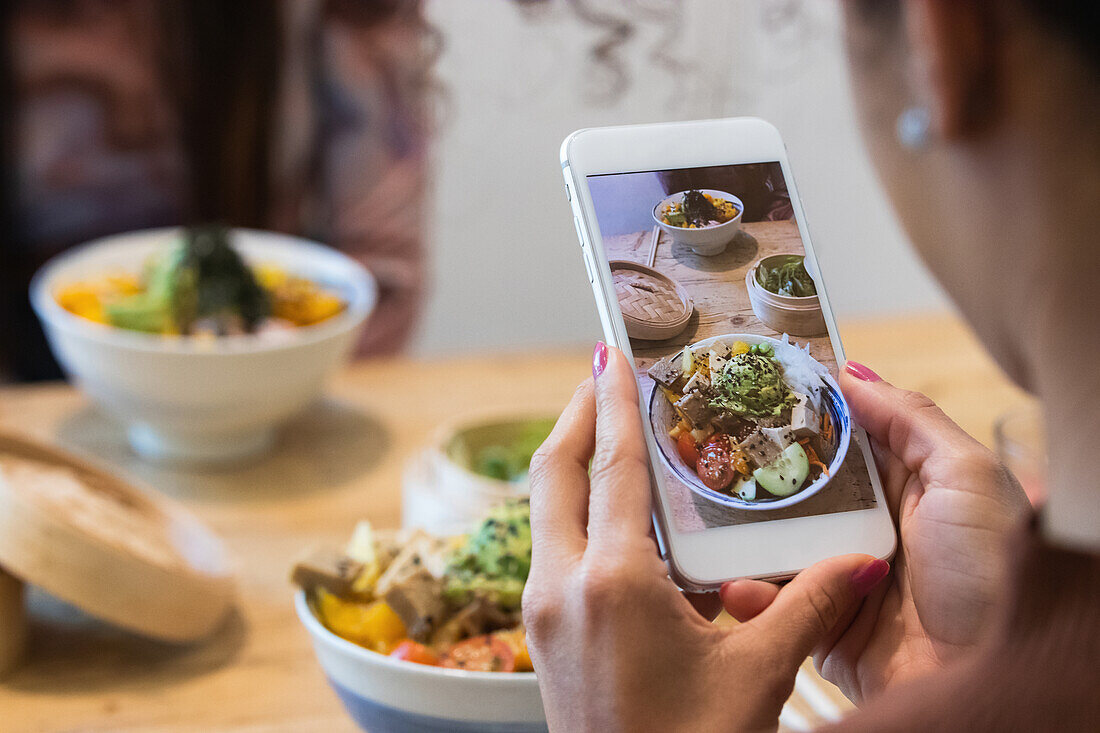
<point>914,128</point>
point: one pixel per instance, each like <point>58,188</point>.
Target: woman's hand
<point>955,506</point>
<point>615,643</point>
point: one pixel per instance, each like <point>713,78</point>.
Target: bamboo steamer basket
<point>654,306</point>
<point>13,621</point>
<point>121,554</point>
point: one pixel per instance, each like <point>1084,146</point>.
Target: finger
<point>745,599</point>
<point>807,610</point>
<point>909,424</point>
<point>707,604</point>
<point>834,657</point>
<point>619,505</point>
<point>893,474</point>
<point>559,479</point>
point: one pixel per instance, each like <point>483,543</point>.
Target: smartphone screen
<point>734,361</point>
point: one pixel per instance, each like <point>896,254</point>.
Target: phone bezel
<point>770,550</point>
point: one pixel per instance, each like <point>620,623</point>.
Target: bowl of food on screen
<point>203,340</point>
<point>784,296</point>
<point>704,220</point>
<point>420,632</point>
<point>748,421</point>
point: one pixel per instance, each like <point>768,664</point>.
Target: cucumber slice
<point>786,474</point>
<point>747,490</point>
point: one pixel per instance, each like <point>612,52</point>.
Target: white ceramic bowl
<point>189,400</point>
<point>796,315</point>
<point>442,493</point>
<point>384,694</point>
<point>707,241</point>
<point>661,416</point>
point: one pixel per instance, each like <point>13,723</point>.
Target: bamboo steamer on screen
<point>654,306</point>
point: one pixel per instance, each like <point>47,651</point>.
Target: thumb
<point>820,598</point>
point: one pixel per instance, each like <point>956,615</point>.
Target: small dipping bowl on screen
<point>783,295</point>
<point>705,220</point>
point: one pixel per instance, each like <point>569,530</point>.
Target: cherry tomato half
<point>480,654</point>
<point>714,466</point>
<point>685,446</point>
<point>411,651</point>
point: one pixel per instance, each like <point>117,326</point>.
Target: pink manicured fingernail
<point>859,371</point>
<point>599,359</point>
<point>867,577</point>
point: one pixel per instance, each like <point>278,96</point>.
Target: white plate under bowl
<point>662,413</point>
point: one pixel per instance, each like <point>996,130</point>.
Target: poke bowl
<point>749,421</point>
<point>384,694</point>
<point>420,632</point>
<point>217,392</point>
<point>705,220</point>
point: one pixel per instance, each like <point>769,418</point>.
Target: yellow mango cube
<point>374,625</point>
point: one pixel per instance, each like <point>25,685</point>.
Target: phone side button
<point>588,267</point>
<point>580,231</point>
<point>568,193</point>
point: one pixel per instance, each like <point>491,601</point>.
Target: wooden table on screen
<point>717,286</point>
<point>339,462</point>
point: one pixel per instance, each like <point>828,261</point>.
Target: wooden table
<point>341,461</point>
<point>717,287</point>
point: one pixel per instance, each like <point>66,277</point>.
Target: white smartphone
<point>704,275</point>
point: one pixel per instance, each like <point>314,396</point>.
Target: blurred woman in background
<point>307,117</point>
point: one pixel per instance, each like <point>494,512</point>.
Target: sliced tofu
<point>760,447</point>
<point>696,383</point>
<point>421,552</point>
<point>667,371</point>
<point>782,436</point>
<point>326,568</point>
<point>695,408</point>
<point>715,362</point>
<point>418,600</point>
<point>804,421</point>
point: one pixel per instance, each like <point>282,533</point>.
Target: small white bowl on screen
<point>707,241</point>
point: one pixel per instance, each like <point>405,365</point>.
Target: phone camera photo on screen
<point>705,276</point>
<point>733,357</point>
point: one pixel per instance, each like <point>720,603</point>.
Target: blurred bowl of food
<point>417,632</point>
<point>706,220</point>
<point>469,466</point>
<point>783,295</point>
<point>202,341</point>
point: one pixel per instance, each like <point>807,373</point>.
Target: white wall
<point>507,269</point>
